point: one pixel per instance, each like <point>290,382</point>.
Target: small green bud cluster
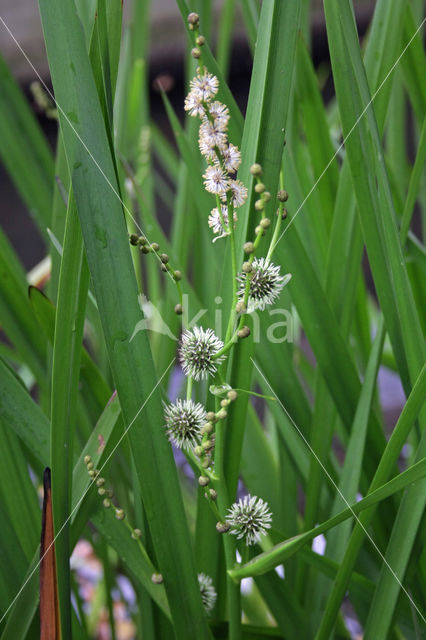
<point>107,494</point>
<point>153,247</point>
<point>260,190</point>
<point>194,25</point>
<point>282,196</point>
<point>204,450</point>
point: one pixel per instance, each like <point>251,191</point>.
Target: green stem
<point>275,236</point>
<point>189,388</point>
<point>234,270</point>
<point>196,467</point>
<point>228,345</point>
<point>233,589</point>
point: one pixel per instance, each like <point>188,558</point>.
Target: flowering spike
<point>238,192</point>
<point>184,421</point>
<point>196,353</point>
<point>216,181</point>
<point>249,518</point>
<point>215,222</point>
<point>208,592</point>
<point>266,284</point>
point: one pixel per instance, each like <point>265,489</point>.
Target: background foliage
<point>74,378</point>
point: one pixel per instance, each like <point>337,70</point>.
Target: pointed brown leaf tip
<point>49,608</point>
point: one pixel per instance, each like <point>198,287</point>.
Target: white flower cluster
<point>198,353</point>
<point>266,284</point>
<point>184,421</point>
<point>249,518</point>
<point>223,158</point>
<point>208,592</point>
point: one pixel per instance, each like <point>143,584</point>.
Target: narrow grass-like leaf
<point>415,179</point>
<point>225,36</point>
<point>69,324</point>
<point>316,130</point>
<point>132,554</point>
<point>15,313</point>
<point>408,520</point>
<point>18,492</point>
<point>24,604</point>
<point>399,435</point>
<point>114,281</point>
<point>414,64</point>
<point>12,561</point>
<point>250,13</point>
<point>372,191</point>
<point>19,411</point>
<point>89,372</point>
<point>24,150</point>
<point>273,557</point>
<point>351,472</point>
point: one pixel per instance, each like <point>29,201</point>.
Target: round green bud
<point>232,395</point>
<point>203,481</point>
<point>244,332</point>
<point>259,205</point>
<point>100,482</point>
<point>142,241</point>
<point>155,246</point>
<point>222,527</point>
<point>207,444</point>
<point>224,402</point>
<point>284,214</point>
<point>266,196</point>
<point>157,578</point>
<point>282,195</point>
<point>178,309</point>
<point>133,239</point>
<point>259,187</point>
<point>164,268</point>
<point>248,247</point>
<point>198,451</point>
<point>164,258</point>
<point>259,230</point>
<point>177,276</point>
<point>240,307</point>
<point>212,494</point>
<point>265,223</point>
<point>90,466</point>
<point>119,514</point>
<point>144,249</point>
<point>87,459</point>
<point>221,415</point>
<point>136,533</point>
<point>210,416</point>
<point>256,169</point>
<point>106,503</point>
<point>200,41</point>
<point>207,428</point>
<point>206,462</point>
<point>196,53</point>
<point>92,473</point>
<point>247,267</point>
<point>101,491</point>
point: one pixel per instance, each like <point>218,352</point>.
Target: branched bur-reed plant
<point>302,485</point>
